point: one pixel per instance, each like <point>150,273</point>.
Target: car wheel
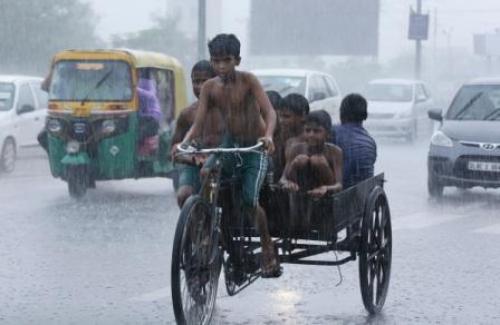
<point>434,187</point>
<point>8,156</point>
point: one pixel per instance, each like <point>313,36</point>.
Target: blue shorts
<point>189,175</point>
<point>250,166</point>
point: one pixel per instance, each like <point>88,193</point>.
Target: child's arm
<point>181,127</point>
<point>201,114</point>
<point>289,176</point>
<point>339,168</point>
<point>267,111</point>
<point>337,156</point>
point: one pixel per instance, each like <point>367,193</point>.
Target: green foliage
<point>33,30</point>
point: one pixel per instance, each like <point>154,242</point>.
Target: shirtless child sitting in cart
<point>249,118</point>
<point>314,165</point>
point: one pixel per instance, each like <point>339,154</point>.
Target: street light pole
<point>202,15</point>
<point>418,48</point>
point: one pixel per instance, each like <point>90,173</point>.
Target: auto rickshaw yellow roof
<point>140,59</point>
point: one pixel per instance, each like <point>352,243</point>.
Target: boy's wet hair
<point>296,103</point>
<point>353,108</point>
<point>203,66</point>
<point>224,44</point>
<point>275,99</point>
<point>321,118</point>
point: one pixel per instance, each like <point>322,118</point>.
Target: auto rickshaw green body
<point>93,120</point>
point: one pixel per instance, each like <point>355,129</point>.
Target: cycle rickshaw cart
<point>212,234</point>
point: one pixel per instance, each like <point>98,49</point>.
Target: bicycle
<point>212,232</point>
<point>202,244</point>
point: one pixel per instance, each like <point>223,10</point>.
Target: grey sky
<point>457,20</point>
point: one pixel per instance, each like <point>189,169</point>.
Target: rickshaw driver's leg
<point>254,169</point>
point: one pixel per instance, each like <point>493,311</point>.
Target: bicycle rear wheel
<point>196,264</point>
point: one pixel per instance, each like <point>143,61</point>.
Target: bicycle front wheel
<point>196,264</point>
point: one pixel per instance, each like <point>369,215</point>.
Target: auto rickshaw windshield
<point>95,80</point>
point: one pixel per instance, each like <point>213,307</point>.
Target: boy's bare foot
<point>270,265</point>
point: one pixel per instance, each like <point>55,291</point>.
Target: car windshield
<point>6,95</point>
<point>96,80</point>
<point>476,102</point>
<point>389,92</point>
<point>284,85</point>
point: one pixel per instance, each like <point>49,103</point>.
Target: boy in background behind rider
<point>189,171</point>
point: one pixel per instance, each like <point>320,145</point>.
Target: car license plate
<point>484,166</point>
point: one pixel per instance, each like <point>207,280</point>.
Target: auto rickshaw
<point>94,128</point>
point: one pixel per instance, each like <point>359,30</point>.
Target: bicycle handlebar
<point>190,150</point>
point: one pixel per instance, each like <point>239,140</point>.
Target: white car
<point>398,108</point>
<point>23,107</point>
<point>320,89</point>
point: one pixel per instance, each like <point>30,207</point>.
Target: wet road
<point>106,259</point>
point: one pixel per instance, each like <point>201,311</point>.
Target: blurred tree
<point>31,31</point>
<point>164,37</point>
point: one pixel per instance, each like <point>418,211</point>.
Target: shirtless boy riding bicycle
<point>249,118</point>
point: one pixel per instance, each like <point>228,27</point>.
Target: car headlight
<point>72,146</point>
<point>108,126</point>
<point>440,139</point>
<point>54,126</point>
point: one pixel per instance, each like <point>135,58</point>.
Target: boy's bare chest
<point>231,97</point>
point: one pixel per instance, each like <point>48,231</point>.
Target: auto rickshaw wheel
<point>196,264</point>
<point>375,253</point>
<point>77,179</point>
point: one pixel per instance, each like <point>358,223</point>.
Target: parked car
<point>23,106</point>
<point>398,108</point>
<point>465,149</point>
<point>320,89</point>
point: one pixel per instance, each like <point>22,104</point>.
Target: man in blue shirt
<point>358,147</point>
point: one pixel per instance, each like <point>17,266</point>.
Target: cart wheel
<point>196,264</point>
<point>375,251</point>
<point>77,179</point>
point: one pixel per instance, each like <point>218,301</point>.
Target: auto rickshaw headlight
<point>54,126</point>
<point>72,146</point>
<point>108,126</point>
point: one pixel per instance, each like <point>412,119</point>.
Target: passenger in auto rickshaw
<point>149,112</point>
<point>189,171</point>
<point>248,118</point>
<point>313,167</point>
